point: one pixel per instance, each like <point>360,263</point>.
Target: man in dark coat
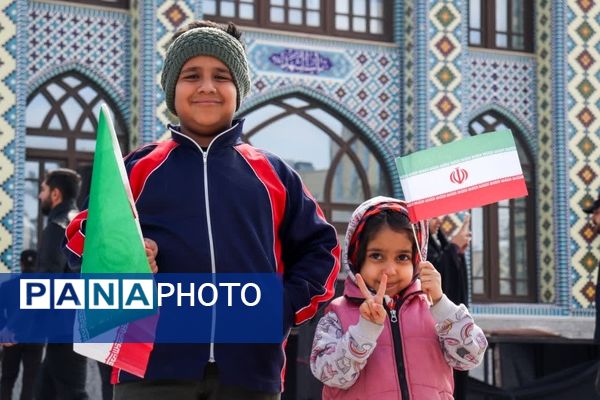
<point>594,210</point>
<point>448,257</point>
<point>63,372</point>
<point>30,355</point>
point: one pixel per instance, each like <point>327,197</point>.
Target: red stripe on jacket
<point>275,189</point>
<point>306,313</point>
<point>277,192</point>
<point>142,170</point>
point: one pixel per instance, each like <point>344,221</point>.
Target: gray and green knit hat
<point>205,41</point>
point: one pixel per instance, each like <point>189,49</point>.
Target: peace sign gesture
<point>372,308</point>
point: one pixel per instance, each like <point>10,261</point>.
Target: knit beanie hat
<point>205,41</point>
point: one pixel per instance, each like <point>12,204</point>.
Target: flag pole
<point>429,299</point>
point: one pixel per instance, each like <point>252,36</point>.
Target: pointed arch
<point>336,159</point>
<point>524,131</point>
<point>503,248</point>
<point>60,125</point>
<point>381,150</point>
<point>120,105</point>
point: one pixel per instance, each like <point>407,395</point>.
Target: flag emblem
<point>459,175</point>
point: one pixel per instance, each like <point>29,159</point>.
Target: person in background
<point>448,257</point>
<point>63,372</point>
<point>594,212</point>
<point>30,355</point>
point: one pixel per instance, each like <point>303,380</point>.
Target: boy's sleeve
<point>463,342</point>
<point>337,358</point>
<point>311,253</point>
<point>74,238</point>
<point>75,232</point>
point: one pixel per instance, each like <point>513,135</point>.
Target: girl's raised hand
<point>372,308</point>
<point>431,281</point>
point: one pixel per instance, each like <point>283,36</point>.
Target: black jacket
<point>51,258</point>
<point>597,331</point>
<point>451,266</point>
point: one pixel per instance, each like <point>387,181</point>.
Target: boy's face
<point>205,98</point>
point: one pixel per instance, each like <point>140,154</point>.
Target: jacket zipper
<point>211,357</point>
<point>397,339</point>
<point>213,267</point>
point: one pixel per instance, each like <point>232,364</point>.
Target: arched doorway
<point>61,121</point>
<point>340,169</point>
<point>334,160</point>
<point>503,255</point>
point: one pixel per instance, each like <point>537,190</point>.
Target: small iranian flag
<point>113,244</point>
<point>468,173</point>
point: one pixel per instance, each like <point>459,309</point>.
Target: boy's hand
<point>151,252</point>
<point>372,308</point>
<point>431,281</point>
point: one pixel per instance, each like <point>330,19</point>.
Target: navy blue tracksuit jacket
<point>229,208</point>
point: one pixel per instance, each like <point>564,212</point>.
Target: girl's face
<point>389,252</point>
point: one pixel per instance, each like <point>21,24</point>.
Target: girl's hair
<point>396,221</point>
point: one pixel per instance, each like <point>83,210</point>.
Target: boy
<point>214,204</point>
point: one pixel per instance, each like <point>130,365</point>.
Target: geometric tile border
<point>583,87</point>
<point>444,71</point>
<point>8,127</point>
<point>136,74</point>
<point>19,148</point>
<point>544,175</point>
<point>399,34</point>
<point>170,15</point>
<point>409,115</point>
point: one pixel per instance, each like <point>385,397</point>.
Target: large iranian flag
<point>468,173</point>
<point>113,244</point>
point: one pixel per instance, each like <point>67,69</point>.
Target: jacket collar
<point>227,138</point>
<point>61,209</point>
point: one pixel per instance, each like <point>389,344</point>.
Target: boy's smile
<point>205,98</point>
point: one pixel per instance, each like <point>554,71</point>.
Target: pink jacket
<point>427,376</point>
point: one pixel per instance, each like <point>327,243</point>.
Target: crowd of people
<point>208,202</point>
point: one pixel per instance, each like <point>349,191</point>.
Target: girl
<point>382,339</point>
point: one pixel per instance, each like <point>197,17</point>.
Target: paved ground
<point>93,383</point>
